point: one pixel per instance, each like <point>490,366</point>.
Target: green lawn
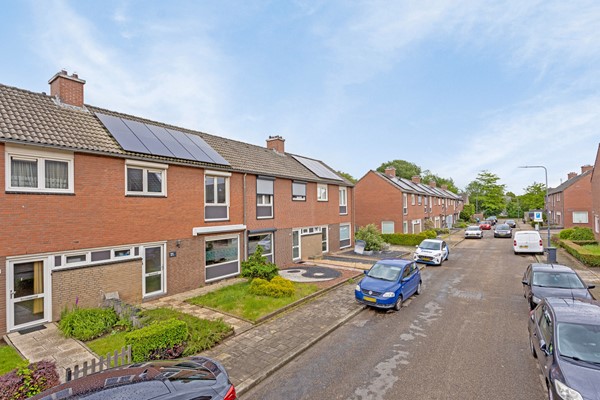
<point>9,359</point>
<point>593,248</point>
<point>203,334</point>
<point>237,300</point>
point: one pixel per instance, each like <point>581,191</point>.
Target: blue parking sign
<point>537,216</point>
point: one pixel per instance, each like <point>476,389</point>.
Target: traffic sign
<point>537,216</point>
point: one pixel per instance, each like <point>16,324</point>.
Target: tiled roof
<point>567,183</point>
<point>39,119</point>
<point>407,185</point>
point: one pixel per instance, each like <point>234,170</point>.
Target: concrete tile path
<point>50,344</point>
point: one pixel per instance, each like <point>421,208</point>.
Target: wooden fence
<point>111,360</point>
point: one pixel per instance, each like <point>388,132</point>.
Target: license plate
<point>371,299</point>
<point>523,246</point>
<point>426,258</point>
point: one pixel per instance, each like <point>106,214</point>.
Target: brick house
<point>595,183</point>
<point>570,203</point>
<point>399,205</point>
<point>98,202</point>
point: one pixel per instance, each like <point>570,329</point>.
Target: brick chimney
<point>571,175</point>
<point>416,179</point>
<point>432,184</point>
<point>586,168</point>
<point>276,143</point>
<point>390,171</point>
<point>444,187</point>
<point>69,89</point>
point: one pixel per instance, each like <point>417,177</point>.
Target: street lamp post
<point>546,199</point>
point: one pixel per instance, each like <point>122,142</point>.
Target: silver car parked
<point>474,232</point>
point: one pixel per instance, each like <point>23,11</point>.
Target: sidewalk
<point>253,355</point>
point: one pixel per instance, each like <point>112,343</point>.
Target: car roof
<point>524,232</point>
<point>575,310</point>
<point>394,262</point>
<point>433,240</point>
<point>473,226</point>
<point>551,268</point>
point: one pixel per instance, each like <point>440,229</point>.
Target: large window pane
<point>28,311</point>
<point>344,232</point>
<point>209,189</point>
<point>24,173</point>
<point>221,191</point>
<point>265,241</point>
<point>153,283</point>
<point>154,182</point>
<point>57,174</point>
<point>153,259</point>
<point>135,180</point>
<point>221,251</point>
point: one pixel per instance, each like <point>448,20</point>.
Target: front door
<point>28,294</point>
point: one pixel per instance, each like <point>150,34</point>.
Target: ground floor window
<point>345,235</point>
<point>405,227</point>
<point>222,257</point>
<point>416,226</point>
<point>296,245</point>
<point>324,241</point>
<point>580,217</point>
<point>264,240</point>
<point>387,227</point>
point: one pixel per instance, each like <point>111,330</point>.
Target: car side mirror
<point>591,286</point>
<point>525,282</point>
<point>365,271</point>
<point>544,348</point>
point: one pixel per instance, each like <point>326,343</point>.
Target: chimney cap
<point>276,137</point>
<point>64,74</point>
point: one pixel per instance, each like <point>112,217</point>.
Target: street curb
<point>242,389</point>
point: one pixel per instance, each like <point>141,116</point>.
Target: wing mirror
<point>591,286</point>
<point>544,348</point>
<point>525,282</point>
<point>366,271</point>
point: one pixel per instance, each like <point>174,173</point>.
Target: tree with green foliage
<point>439,181</point>
<point>534,196</point>
<point>347,176</point>
<point>486,193</point>
<point>404,169</point>
<point>467,212</point>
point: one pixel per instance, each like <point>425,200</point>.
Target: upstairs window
<point>298,191</point>
<point>32,170</point>
<point>321,192</point>
<point>412,199</point>
<point>146,179</point>
<point>264,197</point>
<point>343,201</point>
<point>404,203</point>
<point>216,196</point>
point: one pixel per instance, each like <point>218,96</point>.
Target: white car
<point>431,251</point>
<point>473,232</point>
<point>528,242</point>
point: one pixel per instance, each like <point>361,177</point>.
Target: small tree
<point>372,237</point>
<point>258,266</point>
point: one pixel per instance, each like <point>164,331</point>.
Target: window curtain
<point>38,286</point>
<point>23,173</point>
<point>57,175</point>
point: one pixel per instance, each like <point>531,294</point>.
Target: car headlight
<point>566,392</point>
<point>536,299</point>
<point>388,294</point>
<point>357,288</point>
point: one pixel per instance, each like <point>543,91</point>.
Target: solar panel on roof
<point>317,168</point>
<point>146,136</point>
<point>122,133</point>
<point>172,144</point>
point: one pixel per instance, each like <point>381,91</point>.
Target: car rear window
<point>579,341</point>
<point>561,280</point>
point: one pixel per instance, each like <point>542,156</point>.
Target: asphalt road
<point>465,337</point>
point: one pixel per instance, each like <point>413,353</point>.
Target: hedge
<point>408,239</point>
<point>25,382</point>
<point>576,234</point>
<point>155,338</point>
<point>580,253</point>
<point>277,287</point>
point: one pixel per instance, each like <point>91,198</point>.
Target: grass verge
<point>9,359</point>
<point>592,248</point>
<point>237,300</point>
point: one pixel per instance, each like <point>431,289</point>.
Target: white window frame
<point>40,156</point>
<point>597,223</point>
<point>298,197</point>
<point>388,224</point>
<point>404,203</point>
<point>217,174</point>
<point>146,168</point>
<point>271,251</point>
<point>324,229</point>
<point>265,200</point>
<point>214,239</point>
<point>162,272</point>
<point>412,199</point>
<point>344,199</point>
<point>322,192</point>
<point>349,238</point>
<point>582,217</point>
<point>405,227</point>
<point>299,246</point>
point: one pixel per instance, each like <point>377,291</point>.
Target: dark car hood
<point>585,380</point>
<point>541,292</point>
<point>377,285</point>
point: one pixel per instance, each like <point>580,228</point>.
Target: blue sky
<point>455,87</point>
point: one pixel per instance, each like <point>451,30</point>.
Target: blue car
<point>388,283</point>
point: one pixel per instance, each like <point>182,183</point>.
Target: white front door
<point>154,270</point>
<point>28,284</point>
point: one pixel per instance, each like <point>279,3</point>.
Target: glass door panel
<point>153,270</point>
<point>27,293</point>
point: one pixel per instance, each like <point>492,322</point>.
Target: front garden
<point>581,244</point>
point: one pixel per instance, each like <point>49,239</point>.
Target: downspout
<point>245,241</point>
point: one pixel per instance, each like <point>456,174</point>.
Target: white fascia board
<point>217,229</point>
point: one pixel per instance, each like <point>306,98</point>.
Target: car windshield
<point>579,341</point>
<point>428,245</point>
<point>503,227</point>
<point>562,280</point>
<point>385,272</point>
<point>473,228</point>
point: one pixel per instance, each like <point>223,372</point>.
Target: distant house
<point>570,203</point>
<point>595,182</point>
<point>97,201</point>
<point>399,205</point>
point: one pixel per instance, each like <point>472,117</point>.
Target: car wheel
<point>398,304</point>
<point>531,348</point>
<point>419,288</point>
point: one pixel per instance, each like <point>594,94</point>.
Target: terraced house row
<point>98,202</point>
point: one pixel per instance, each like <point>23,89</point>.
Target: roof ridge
<point>40,94</point>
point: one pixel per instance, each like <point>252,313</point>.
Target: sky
<point>454,87</point>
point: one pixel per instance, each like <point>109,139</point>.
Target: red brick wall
<point>595,187</point>
<point>3,284</point>
<point>378,200</point>
<point>578,197</point>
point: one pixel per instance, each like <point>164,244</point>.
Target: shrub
<point>87,323</point>
<point>582,234</point>
<point>432,233</point>
<point>441,231</point>
<point>25,382</point>
<point>428,224</point>
<point>257,266</point>
<point>565,234</point>
<point>460,224</point>
<point>372,237</point>
<point>153,339</point>
<point>405,239</point>
<point>277,287</point>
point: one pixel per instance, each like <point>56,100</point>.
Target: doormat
<point>32,329</point>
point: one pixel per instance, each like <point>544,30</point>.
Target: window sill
<point>146,195</point>
<point>39,192</point>
<point>271,217</point>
